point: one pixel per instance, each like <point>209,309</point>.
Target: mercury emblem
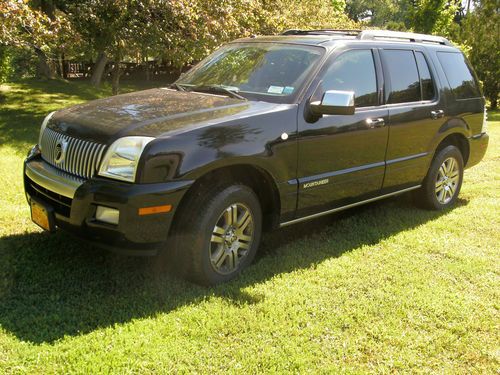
<point>60,151</point>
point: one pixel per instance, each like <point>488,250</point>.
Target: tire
<point>217,234</point>
<point>442,184</point>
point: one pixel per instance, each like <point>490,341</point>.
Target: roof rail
<point>375,34</point>
<point>321,32</point>
<point>412,37</point>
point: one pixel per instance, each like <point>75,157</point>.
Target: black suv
<point>264,133</point>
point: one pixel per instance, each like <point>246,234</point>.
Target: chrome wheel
<point>231,239</point>
<point>447,180</point>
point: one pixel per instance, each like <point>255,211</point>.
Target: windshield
<point>263,71</point>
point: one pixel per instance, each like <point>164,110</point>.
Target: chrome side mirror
<point>334,102</point>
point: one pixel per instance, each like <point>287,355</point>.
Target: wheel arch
<point>457,139</point>
<point>454,132</point>
<point>253,176</point>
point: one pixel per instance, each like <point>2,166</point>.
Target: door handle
<point>437,114</point>
<point>375,122</point>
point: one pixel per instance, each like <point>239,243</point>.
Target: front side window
<point>402,72</point>
<point>459,75</point>
<point>353,71</point>
<point>265,71</point>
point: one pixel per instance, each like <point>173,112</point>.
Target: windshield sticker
<point>275,89</point>
<point>288,90</point>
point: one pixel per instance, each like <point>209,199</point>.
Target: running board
<point>305,218</point>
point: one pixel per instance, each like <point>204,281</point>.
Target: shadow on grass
<point>52,286</point>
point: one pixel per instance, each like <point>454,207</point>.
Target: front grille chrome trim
<point>82,158</point>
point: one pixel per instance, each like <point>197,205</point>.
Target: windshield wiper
<point>216,89</point>
<point>177,87</point>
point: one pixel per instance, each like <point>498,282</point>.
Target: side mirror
<point>334,102</point>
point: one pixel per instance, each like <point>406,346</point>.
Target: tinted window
<point>428,92</point>
<point>353,71</point>
<point>459,76</point>
<point>403,75</point>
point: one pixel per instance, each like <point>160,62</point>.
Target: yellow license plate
<point>40,216</point>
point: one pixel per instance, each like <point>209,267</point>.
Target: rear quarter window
<point>459,75</point>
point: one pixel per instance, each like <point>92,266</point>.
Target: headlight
<point>121,159</point>
<point>42,128</point>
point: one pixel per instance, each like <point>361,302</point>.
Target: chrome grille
<point>80,158</point>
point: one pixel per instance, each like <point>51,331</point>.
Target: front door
<point>341,158</point>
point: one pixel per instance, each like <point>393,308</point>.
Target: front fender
<point>267,140</point>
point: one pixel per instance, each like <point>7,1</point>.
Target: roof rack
<point>375,34</point>
<point>398,35</point>
<point>321,32</point>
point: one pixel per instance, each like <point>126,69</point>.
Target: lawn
<point>383,288</point>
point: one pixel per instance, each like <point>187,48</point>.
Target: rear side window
<point>353,71</point>
<point>459,75</point>
<point>428,91</point>
<point>403,76</point>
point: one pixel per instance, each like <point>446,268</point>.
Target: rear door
<point>341,157</point>
<point>416,113</point>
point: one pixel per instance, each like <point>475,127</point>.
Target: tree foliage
<point>423,16</point>
<point>180,32</point>
<point>481,32</point>
<point>23,26</point>
<point>183,31</point>
<point>431,16</point>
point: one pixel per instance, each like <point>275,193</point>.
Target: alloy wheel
<point>231,238</point>
<point>447,180</point>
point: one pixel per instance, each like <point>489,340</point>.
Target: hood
<point>152,112</point>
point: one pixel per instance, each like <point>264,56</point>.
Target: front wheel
<point>217,234</point>
<point>442,184</point>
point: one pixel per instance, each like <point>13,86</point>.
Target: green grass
<point>384,288</point>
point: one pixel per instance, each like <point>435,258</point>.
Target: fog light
<point>107,215</point>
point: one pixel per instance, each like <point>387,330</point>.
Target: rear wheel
<point>217,234</point>
<point>442,185</point>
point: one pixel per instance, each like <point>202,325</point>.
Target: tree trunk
<point>116,76</point>
<point>97,72</point>
<point>44,68</point>
<point>148,73</point>
<point>62,71</point>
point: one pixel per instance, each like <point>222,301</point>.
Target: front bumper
<point>74,202</point>
<point>478,145</point>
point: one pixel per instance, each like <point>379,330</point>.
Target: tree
<point>179,32</point>
<point>377,12</point>
<point>200,26</point>
<point>432,16</point>
<point>25,27</point>
<point>423,16</point>
<point>481,32</point>
<point>102,25</point>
